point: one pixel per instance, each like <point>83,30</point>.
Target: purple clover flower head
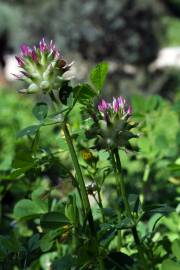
<point>112,125</point>
<point>42,67</point>
<point>118,105</point>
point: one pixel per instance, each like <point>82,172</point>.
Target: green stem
<point>101,264</point>
<point>100,204</point>
<point>122,185</point>
<point>145,181</point>
<point>74,183</point>
<point>118,182</point>
<point>119,238</point>
<point>128,210</point>
<point>81,183</point>
<point>146,173</point>
<point>82,187</point>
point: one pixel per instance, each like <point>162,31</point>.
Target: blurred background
<point>139,38</point>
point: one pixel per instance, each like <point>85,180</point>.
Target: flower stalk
<point>119,240</point>
<point>128,210</point>
<point>122,185</point>
<point>82,187</point>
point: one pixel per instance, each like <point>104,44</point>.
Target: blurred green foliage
<point>154,169</point>
<point>14,112</point>
<point>172,25</point>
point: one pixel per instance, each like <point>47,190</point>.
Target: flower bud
<point>44,85</point>
<point>113,125</point>
<point>33,88</point>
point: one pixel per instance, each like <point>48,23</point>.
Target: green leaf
<point>153,221</point>
<point>65,92</point>
<point>33,242</point>
<point>35,143</point>
<point>134,203</point>
<point>64,263</point>
<point>174,168</point>
<point>16,173</point>
<point>27,209</point>
<point>176,248</point>
<point>31,130</point>
<point>23,159</point>
<point>48,239</point>
<point>41,197</point>
<point>170,265</point>
<point>55,118</point>
<point>126,223</point>
<point>98,76</point>
<point>62,144</point>
<point>46,260</point>
<point>8,244</point>
<point>53,220</point>
<point>158,208</point>
<point>71,210</point>
<point>121,260</point>
<point>40,111</point>
<point>107,236</point>
<point>22,163</point>
<point>83,93</point>
<point>176,106</point>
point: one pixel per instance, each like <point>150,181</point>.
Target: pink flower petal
<point>20,61</point>
<point>115,105</point>
<point>103,106</point>
<point>34,56</point>
<point>25,50</point>
<point>42,45</point>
